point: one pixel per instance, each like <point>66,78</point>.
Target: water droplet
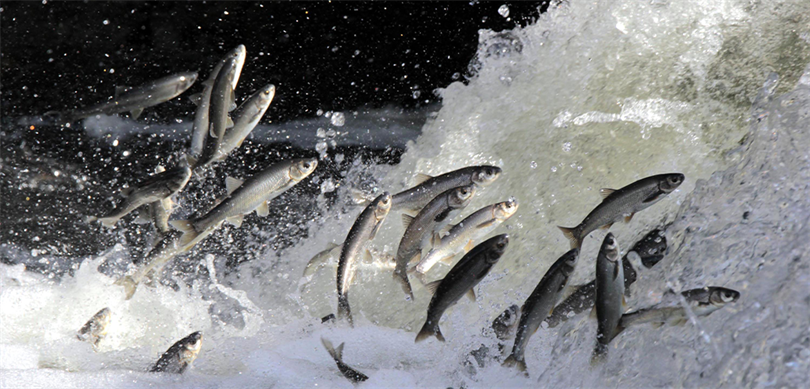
<point>320,147</point>
<point>320,133</point>
<point>553,169</point>
<point>106,22</point>
<point>416,94</point>
<point>504,10</point>
<point>566,146</point>
<point>327,186</point>
<point>330,133</point>
<point>319,112</point>
<point>456,75</point>
<point>338,119</point>
<point>115,143</point>
<point>533,165</point>
<point>339,158</point>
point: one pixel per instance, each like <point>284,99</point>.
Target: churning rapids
<point>592,95</point>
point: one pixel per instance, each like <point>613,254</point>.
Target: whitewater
<point>591,95</point>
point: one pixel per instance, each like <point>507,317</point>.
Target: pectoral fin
<point>136,113</point>
<point>406,220</point>
<point>605,192</point>
<point>653,197</point>
<point>196,98</point>
<point>606,226</point>
<point>263,210</point>
<point>420,178</point>
<point>231,184</point>
<point>431,287</point>
<point>471,294</point>
<point>629,217</point>
<point>236,220</point>
<point>487,224</point>
<point>229,122</point>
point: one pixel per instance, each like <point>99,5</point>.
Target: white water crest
<point>592,95</point>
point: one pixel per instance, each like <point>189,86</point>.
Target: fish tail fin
<point>336,354</point>
<point>428,330</point>
<point>188,230</point>
<point>191,160</point>
<point>401,275</point>
<point>344,312</point>
<point>570,234</point>
<point>599,356</point>
<point>512,361</point>
<point>129,284</point>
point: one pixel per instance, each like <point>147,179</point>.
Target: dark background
<point>330,56</point>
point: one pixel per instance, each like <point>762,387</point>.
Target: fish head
<point>610,247</point>
<point>102,318</point>
<point>671,182</point>
<point>301,168</point>
<point>496,247</point>
<point>185,80</point>
<point>505,322</point>
<point>461,196</point>
<point>382,204</point>
<point>506,209</point>
<point>719,296</point>
<point>485,175</point>
<point>569,262</point>
<point>191,346</point>
<point>651,248</point>
<point>266,94</point>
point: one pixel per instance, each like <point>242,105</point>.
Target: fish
<point>158,212</point>
<point>222,98</point>
<point>504,325</point>
<point>460,281</point>
<point>154,188</point>
<point>702,302</point>
<point>161,254</point>
<point>380,260</point>
<point>134,100</point>
<point>623,202</point>
<point>201,128</point>
<point>540,304</point>
<point>245,197</point>
<point>337,354</point>
<point>420,229</point>
<point>363,231</point>
<point>96,328</point>
<point>609,302</point>
<point>462,236</point>
<point>250,114</point>
<point>180,355</point>
<point>649,251</point>
<point>427,188</point>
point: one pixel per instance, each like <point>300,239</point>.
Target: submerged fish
<point>178,357</point>
<point>347,371</point>
<point>427,188</point>
<point>702,302</point>
<point>609,296</point>
<point>623,202</point>
<point>363,230</point>
<point>540,304</point>
<point>253,194</point>
<point>504,325</point>
<point>96,328</point>
<point>463,235</point>
<point>134,100</point>
<point>161,254</point>
<point>649,249</point>
<point>203,100</point>
<point>249,116</point>
<point>420,229</point>
<point>155,188</point>
<point>460,281</point>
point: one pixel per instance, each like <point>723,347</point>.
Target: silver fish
<point>161,254</point>
<point>203,100</point>
<point>702,302</point>
<point>420,229</point>
<point>540,304</point>
<point>96,328</point>
<point>427,188</point>
<point>154,188</point>
<point>250,114</point>
<point>460,281</point>
<point>337,354</point>
<point>180,355</point>
<point>363,230</point>
<point>134,100</point>
<point>649,249</point>
<point>462,236</point>
<point>623,202</point>
<point>222,98</point>
<point>253,194</point>
<point>380,260</point>
<point>609,296</point>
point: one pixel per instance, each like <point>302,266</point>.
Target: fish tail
<point>191,160</point>
<point>129,284</point>
<point>331,349</point>
<point>188,230</point>
<point>401,275</point>
<point>344,312</point>
<point>570,234</point>
<point>428,330</point>
<point>599,356</point>
<point>512,361</point>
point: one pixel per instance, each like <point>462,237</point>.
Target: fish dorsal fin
<point>231,184</point>
<point>228,122</point>
<point>367,257</point>
<point>471,294</point>
<point>263,210</point>
<point>433,286</point>
<point>208,83</point>
<point>127,191</point>
<point>629,217</point>
<point>136,113</point>
<point>436,239</point>
<point>420,178</point>
<point>406,220</point>
<point>339,352</point>
<point>606,226</point>
<point>236,220</point>
<point>196,98</point>
<point>605,192</point>
<point>119,90</point>
<point>593,314</point>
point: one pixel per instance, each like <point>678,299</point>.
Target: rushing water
<point>594,94</point>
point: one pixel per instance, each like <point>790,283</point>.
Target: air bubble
<point>504,10</point>
<point>338,119</point>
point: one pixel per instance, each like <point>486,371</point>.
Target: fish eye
<point>306,165</point>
